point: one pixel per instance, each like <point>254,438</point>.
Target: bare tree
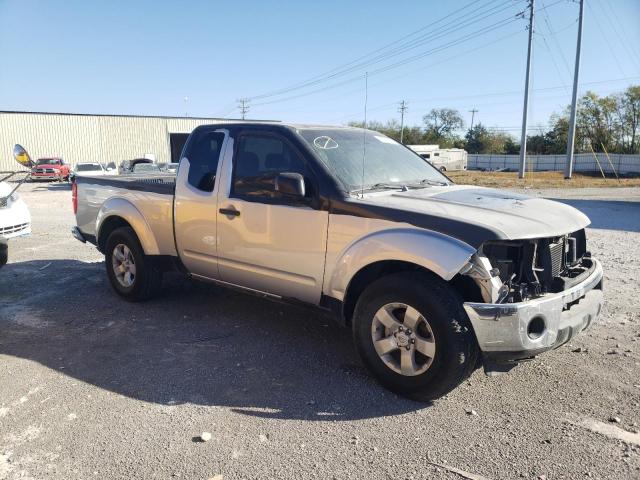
<point>443,122</point>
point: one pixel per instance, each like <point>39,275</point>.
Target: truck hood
<point>477,214</point>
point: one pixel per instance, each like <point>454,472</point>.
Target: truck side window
<point>203,155</point>
<point>258,160</point>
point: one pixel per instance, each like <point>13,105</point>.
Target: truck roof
<point>276,123</point>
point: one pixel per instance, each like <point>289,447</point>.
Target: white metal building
<point>94,138</point>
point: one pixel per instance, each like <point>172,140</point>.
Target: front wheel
<point>133,275</point>
<point>412,333</point>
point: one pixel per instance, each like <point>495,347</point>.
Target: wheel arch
<point>392,251</point>
<point>116,213</point>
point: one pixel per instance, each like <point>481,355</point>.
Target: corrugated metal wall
<point>90,138</point>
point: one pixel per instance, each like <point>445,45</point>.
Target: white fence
<point>583,162</point>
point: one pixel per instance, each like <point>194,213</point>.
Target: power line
<point>547,21</point>
<point>618,30</point>
<point>483,95</point>
<point>606,39</point>
<point>349,64</point>
<point>463,39</point>
<point>434,34</point>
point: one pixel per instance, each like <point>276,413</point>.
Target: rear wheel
<point>412,333</point>
<point>133,275</point>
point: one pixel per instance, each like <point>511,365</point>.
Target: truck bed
<point>151,196</point>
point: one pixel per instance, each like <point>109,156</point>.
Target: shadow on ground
<point>52,186</point>
<point>608,214</point>
<point>197,343</point>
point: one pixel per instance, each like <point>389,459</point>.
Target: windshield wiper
<point>428,181</point>
<point>380,186</point>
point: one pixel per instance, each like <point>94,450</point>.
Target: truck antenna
<point>364,128</point>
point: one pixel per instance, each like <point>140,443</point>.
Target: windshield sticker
<point>384,139</point>
<point>325,143</point>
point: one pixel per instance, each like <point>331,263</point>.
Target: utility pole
<point>473,115</point>
<point>186,109</point>
<point>403,108</point>
<point>568,169</point>
<point>523,140</point>
<point>243,105</point>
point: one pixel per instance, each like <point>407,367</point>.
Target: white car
<point>92,169</point>
<point>15,220</point>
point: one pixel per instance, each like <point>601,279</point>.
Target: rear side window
<point>203,155</point>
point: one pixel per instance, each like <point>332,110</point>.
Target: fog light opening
<point>536,327</point>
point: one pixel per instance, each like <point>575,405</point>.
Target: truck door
<point>195,212</point>
<point>268,241</point>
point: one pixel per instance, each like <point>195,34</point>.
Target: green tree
<point>511,147</point>
<point>481,140</point>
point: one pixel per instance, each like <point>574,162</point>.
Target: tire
<point>4,254</point>
<point>144,279</point>
<point>442,329</point>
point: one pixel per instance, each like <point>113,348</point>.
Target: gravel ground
<point>93,387</point>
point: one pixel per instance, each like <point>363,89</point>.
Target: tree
<point>511,147</point>
<point>481,140</point>
<point>441,124</point>
<point>629,114</point>
<point>611,122</point>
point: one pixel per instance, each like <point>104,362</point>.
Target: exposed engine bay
<point>518,270</point>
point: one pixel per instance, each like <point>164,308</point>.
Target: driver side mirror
<point>290,184</point>
<point>22,157</point>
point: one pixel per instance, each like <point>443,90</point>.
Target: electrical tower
<point>473,112</point>
<point>243,105</point>
<point>568,169</point>
<point>523,141</point>
<point>402,109</point>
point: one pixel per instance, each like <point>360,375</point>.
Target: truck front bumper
<point>516,331</point>
<point>44,176</point>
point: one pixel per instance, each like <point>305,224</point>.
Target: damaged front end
<point>537,294</point>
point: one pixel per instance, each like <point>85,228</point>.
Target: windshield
<point>87,167</point>
<point>48,161</point>
<point>387,164</point>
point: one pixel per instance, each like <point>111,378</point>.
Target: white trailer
<point>444,159</point>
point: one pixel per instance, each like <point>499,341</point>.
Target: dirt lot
<point>541,180</point>
<point>93,387</point>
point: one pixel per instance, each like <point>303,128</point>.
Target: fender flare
<point>119,207</point>
<point>441,254</point>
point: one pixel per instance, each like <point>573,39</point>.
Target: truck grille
<point>45,170</point>
<point>13,228</point>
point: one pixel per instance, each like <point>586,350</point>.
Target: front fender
<point>443,255</point>
<point>127,211</point>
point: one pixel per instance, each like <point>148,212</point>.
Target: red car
<point>53,168</point>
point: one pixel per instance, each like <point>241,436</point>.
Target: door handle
<point>231,212</point>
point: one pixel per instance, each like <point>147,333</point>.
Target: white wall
<point>583,162</point>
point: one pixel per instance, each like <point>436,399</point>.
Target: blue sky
<point>145,57</point>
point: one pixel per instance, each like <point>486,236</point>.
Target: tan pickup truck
<point>434,279</point>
